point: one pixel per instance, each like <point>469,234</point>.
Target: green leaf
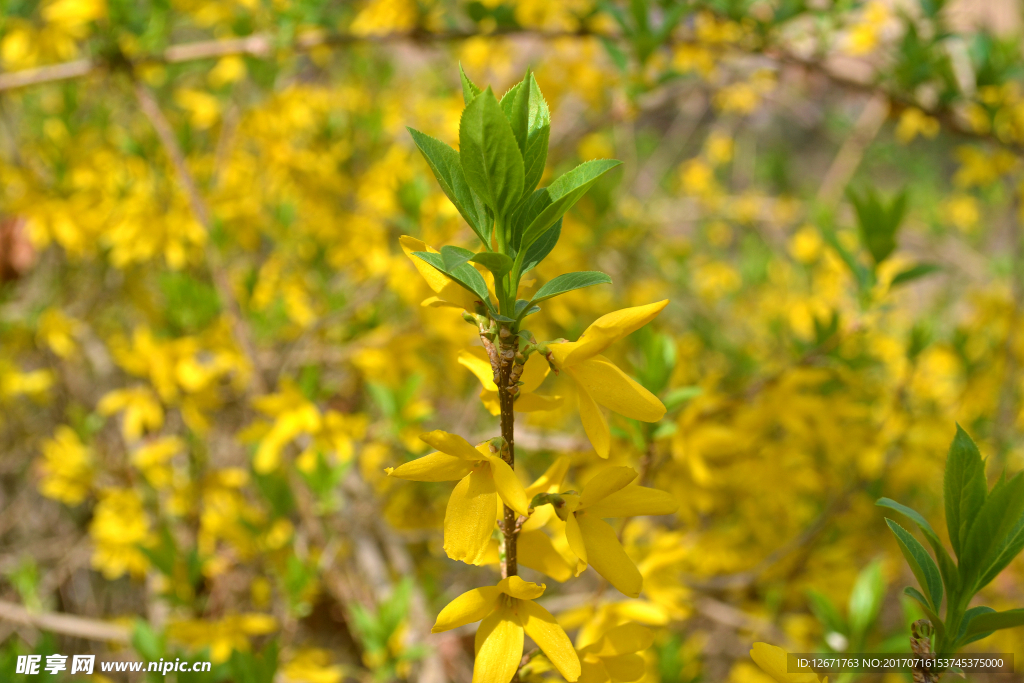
<point>453,257</point>
<point>962,638</point>
<point>446,166</point>
<point>964,487</point>
<point>866,599</point>
<point>551,203</point>
<point>826,612</point>
<point>539,250</point>
<point>469,90</point>
<point>947,568</point>
<point>1010,549</point>
<point>681,395</point>
<point>878,222</point>
<point>516,107</point>
<point>920,562</point>
<point>538,131</point>
<point>489,153</point>
<point>995,621</point>
<point>913,273</point>
<point>521,305</point>
<point>566,282</point>
<point>465,275</point>
<point>992,529</point>
<point>499,264</point>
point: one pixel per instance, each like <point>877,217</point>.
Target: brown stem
<point>507,389</point>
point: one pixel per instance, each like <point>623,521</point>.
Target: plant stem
<point>508,376</point>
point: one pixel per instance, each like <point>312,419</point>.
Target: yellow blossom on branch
<point>483,477</point>
<point>601,383</point>
<point>505,612</point>
<point>614,656</point>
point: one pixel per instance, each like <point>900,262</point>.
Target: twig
<point>850,154</point>
<point>65,624</point>
<point>243,335</point>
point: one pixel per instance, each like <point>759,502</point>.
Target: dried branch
<point>65,624</point>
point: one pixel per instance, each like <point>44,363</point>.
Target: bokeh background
<point>211,343</point>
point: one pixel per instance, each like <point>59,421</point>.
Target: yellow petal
<point>433,467</point>
<point>551,480</point>
<point>476,361</point>
<point>499,647</point>
<point>607,556</point>
<point>471,606</point>
<point>436,280</point>
<point>452,444</point>
<point>593,671</point>
<point>536,551</point>
<point>509,488</point>
<point>612,388</point>
<point>604,331</point>
<point>469,519</point>
<point>534,372</point>
<point>535,403</point>
<point>575,539</point>
<point>622,640</point>
<point>606,482</point>
<point>633,501</point>
<point>594,424</point>
<point>491,401</point>
<point>772,661</point>
<point>518,588</point>
<point>550,638</point>
<point>625,668</point>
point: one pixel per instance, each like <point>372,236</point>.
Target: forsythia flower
<point>506,611</point>
<point>526,401</point>
<point>142,410</point>
<point>224,636</point>
<point>614,657</point>
<point>66,467</point>
<point>119,526</point>
<point>449,292</point>
<point>599,382</point>
<point>483,478</point>
<point>772,661</point>
<point>593,540</point>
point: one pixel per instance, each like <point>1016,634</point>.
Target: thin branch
<point>850,154</point>
<point>65,624</point>
<point>242,333</point>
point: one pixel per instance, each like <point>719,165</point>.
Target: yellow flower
<point>536,369</point>
<point>312,666</point>
<point>66,467</point>
<point>57,330</point>
<point>772,661</point>
<point>119,526</point>
<point>449,292</point>
<point>614,657</point>
<point>483,478</point>
<point>506,611</point>
<point>593,540</point>
<point>599,382</point>
<point>913,121</point>
<point>142,410</point>
<point>223,636</point>
<point>152,459</point>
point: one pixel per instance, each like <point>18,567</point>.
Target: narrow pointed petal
<point>612,388</point>
<point>536,551</point>
<point>607,556</point>
<point>471,606</point>
<point>624,639</point>
<point>604,483</point>
<point>518,588</point>
<point>574,536</point>
<point>499,647</point>
<point>509,488</point>
<point>625,668</point>
<point>552,478</point>
<point>634,501</point>
<point>594,423</point>
<point>435,278</point>
<point>534,372</point>
<point>432,467</point>
<point>535,403</point>
<point>469,519</point>
<point>476,361</point>
<point>491,402</point>
<point>452,444</point>
<point>610,328</point>
<point>550,638</point>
